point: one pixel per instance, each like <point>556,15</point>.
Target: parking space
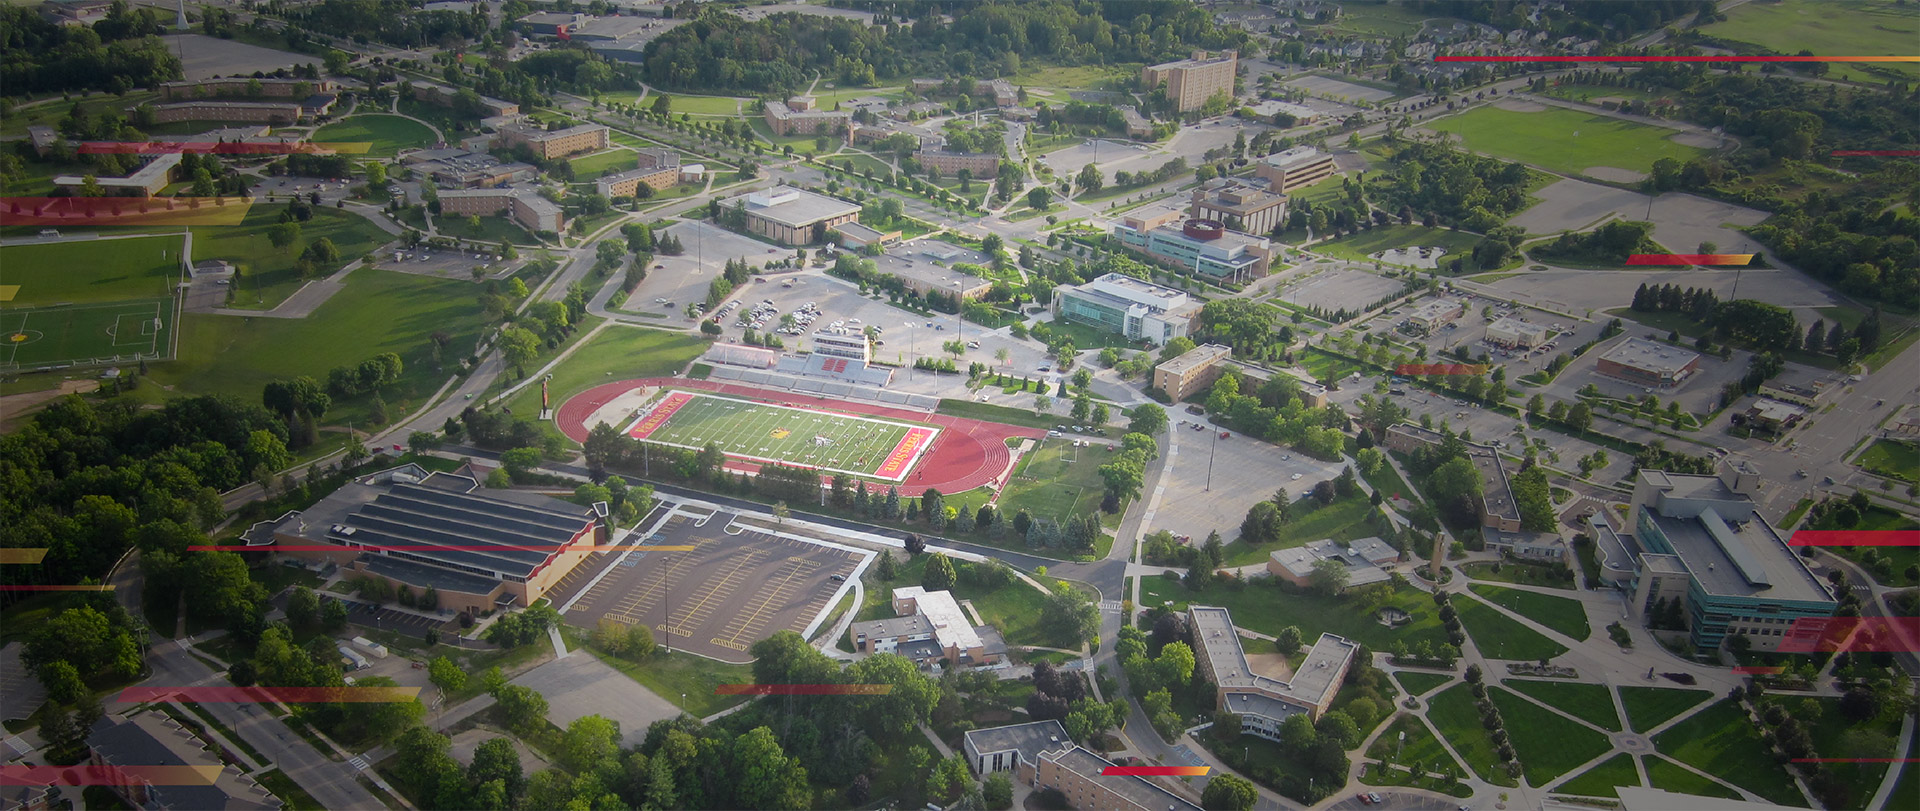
<point>204,57</point>
<point>1332,290</point>
<point>676,281</point>
<point>738,585</point>
<point>1698,394</point>
<point>580,685</point>
<point>1396,800</point>
<point>444,263</point>
<point>280,189</point>
<point>1213,482</point>
<point>22,689</point>
<point>369,615</point>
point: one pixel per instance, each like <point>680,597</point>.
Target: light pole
<point>1210,449</point>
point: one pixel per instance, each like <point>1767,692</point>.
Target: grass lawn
<point>1075,77</point>
<point>1877,517</point>
<point>266,274</point>
<point>764,431</point>
<point>1586,92</point>
<point>1421,746</point>
<point>1899,460</point>
<point>825,97</point>
<point>491,229</point>
<point>1719,740</point>
<point>1835,737</point>
<point>594,165</point>
<point>1057,480</point>
<point>290,793</point>
<point>1588,702</point>
<point>1649,707</point>
<point>1600,780</point>
<point>988,412</point>
<point>1343,520</point>
<point>1015,609</point>
<point>1377,20</point>
<point>697,105</point>
<point>1511,572</point>
<point>54,109</point>
<point>1452,712</point>
<point>1264,607</point>
<point>388,134</point>
<point>1568,616</point>
<point>618,353</point>
<point>674,675</point>
<point>1665,774</point>
<point>1086,337</point>
<point>1548,744</point>
<point>1358,247</point>
<point>1564,140</point>
<point>92,270</point>
<point>1909,782</point>
<point>1418,683</point>
<point>375,312</point>
<point>1869,28</point>
<point>1501,637</point>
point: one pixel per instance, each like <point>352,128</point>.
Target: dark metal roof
<point>426,521</point>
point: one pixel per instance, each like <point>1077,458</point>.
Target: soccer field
<point>98,334</point>
<point>1566,141</point>
<point>763,432</point>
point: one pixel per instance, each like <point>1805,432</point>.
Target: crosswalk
<point>358,763</point>
<point>1109,605</point>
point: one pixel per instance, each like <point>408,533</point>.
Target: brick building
<point>981,164</point>
<point>550,144</point>
<point>523,206</point>
<point>1649,363</point>
<point>1192,372</point>
<point>791,216</point>
<point>243,86</point>
<point>1295,168</point>
<point>798,117</point>
<point>1191,82</point>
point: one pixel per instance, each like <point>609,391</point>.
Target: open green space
<point>1514,572</point>
<point>1909,783</point>
<point>617,353</point>
<point>1057,480</point>
<point>1309,520</point>
<point>1601,780</point>
<point>1072,77</point>
<point>686,680</point>
<point>825,97</point>
<point>1420,747</point>
<point>1549,744</point>
<point>494,229</point>
<point>1014,609</point>
<point>1588,702</point>
<point>1665,774</point>
<point>1851,28</point>
<point>1719,740</point>
<point>695,105</point>
<point>1590,92</point>
<point>292,796</point>
<point>266,275</point>
<point>1264,607</point>
<point>1418,682</point>
<point>388,134</point>
<point>1563,614</point>
<point>1453,713</point>
<point>1649,707</point>
<point>1502,637</point>
<point>91,270</point>
<point>588,167</point>
<point>53,110</point>
<point>1378,20</point>
<point>1876,518</point>
<point>1359,247</point>
<point>1836,736</point>
<point>1086,337</point>
<point>374,312</point>
<point>1891,458</point>
<point>1565,141</point>
<point>998,413</point>
<point>100,333</point>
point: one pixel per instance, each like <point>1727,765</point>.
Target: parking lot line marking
<point>778,588</point>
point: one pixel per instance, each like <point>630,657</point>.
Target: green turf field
<point>1563,140</point>
<point>388,134</point>
<point>91,270</point>
<point>112,332</point>
<point>765,432</point>
<point>589,167</point>
<point>1830,28</point>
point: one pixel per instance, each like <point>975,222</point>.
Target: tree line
<point>115,54</point>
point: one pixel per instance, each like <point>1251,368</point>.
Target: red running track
<point>967,454</point>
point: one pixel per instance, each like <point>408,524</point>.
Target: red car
<point>1225,435</point>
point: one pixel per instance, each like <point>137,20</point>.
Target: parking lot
<point>373,616</point>
<point>444,263</point>
<point>676,281</point>
<point>1244,471</point>
<point>1697,394</point>
<point>1334,289</point>
<point>1321,85</point>
<point>739,585</point>
<point>204,57</point>
<point>580,685</point>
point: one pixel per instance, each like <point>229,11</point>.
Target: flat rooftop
<point>1220,643</point>
<point>1029,739</point>
<point>1297,156</point>
<point>1514,324</point>
<point>1736,554</point>
<point>1640,353</point>
<point>950,624</point>
<point>794,208</point>
<point>1196,357</point>
<point>1136,790</point>
<point>424,521</point>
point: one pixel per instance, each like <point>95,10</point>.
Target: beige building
<point>798,117</point>
<point>550,144</point>
<point>1265,703</point>
<point>241,86</point>
<point>1295,168</point>
<point>929,626</point>
<point>480,549</point>
<point>523,206</point>
<point>1014,748</point>
<point>150,178</point>
<point>1513,332</point>
<point>790,216</point>
<point>1241,207</point>
<point>276,113</point>
<point>626,183</point>
<point>443,95</point>
<point>1192,372</point>
<point>1435,315</point>
<point>1078,774</point>
<point>1191,82</point>
<point>981,164</point>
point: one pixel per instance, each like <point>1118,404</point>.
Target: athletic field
<point>764,432</point>
<point>85,334</point>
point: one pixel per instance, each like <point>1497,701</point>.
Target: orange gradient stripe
<point>87,774</point>
<point>25,556</point>
<point>114,211</point>
<point>221,147</point>
<point>803,690</point>
<point>56,588</point>
<point>226,694</point>
<point>1156,771</point>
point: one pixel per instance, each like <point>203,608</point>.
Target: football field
<point>764,432</point>
<point>85,334</point>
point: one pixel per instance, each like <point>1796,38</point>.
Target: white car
<point>1294,477</point>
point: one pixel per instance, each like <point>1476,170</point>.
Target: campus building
<point>1264,703</point>
<point>1510,332</point>
<point>910,266</point>
<point>550,144</point>
<point>1138,126</point>
<point>121,747</point>
<point>1242,207</point>
<point>1497,508</point>
<point>1701,540</point>
<point>1203,246</point>
<point>1121,304</point>
<point>480,549</point>
<point>929,627</point>
<point>1014,748</point>
<point>148,180</point>
<point>444,96</point>
<point>1803,386</point>
<point>243,86</point>
<point>625,184</point>
<point>1079,774</point>
<point>841,354</point>
<point>980,164</point>
<point>1295,168</point>
<point>798,117</point>
<point>1649,363</point>
<point>792,216</point>
<point>1192,372</point>
<point>523,206</point>
<point>276,113</point>
<point>459,168</point>
<point>1434,315</point>
<point>1191,82</point>
<point>855,235</point>
<point>1363,559</point>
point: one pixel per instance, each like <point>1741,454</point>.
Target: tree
<point>519,347</point>
<point>1147,418</point>
<point>939,574</point>
<point>63,682</point>
<point>588,741</point>
<point>1330,576</point>
<point>283,235</point>
<point>1089,179</point>
<point>523,708</point>
<point>885,568</point>
<point>1040,198</point>
<point>997,789</point>
<point>1226,792</point>
<point>764,776</point>
<point>1288,640</point>
<point>446,675</point>
<point>303,607</point>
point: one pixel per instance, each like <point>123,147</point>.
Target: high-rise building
<point>1295,168</point>
<point>1191,82</point>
